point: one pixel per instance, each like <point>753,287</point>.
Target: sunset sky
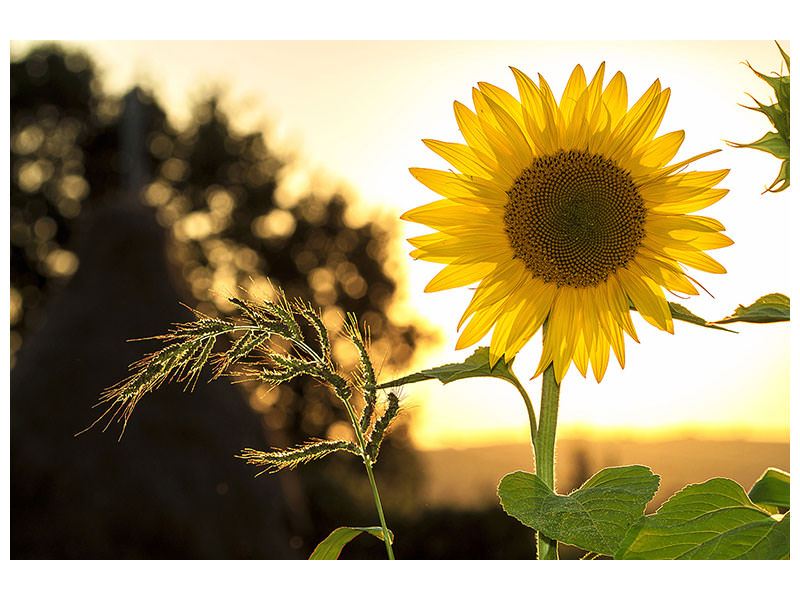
<point>353,115</point>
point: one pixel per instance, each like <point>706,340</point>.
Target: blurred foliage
<point>213,189</point>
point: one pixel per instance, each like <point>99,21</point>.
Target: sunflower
<point>568,214</point>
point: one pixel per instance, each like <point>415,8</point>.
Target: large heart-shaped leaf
<point>331,546</point>
<point>477,365</point>
<point>594,517</point>
<point>711,520</point>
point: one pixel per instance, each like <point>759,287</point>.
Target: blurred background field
<point>144,174</point>
<point>468,477</point>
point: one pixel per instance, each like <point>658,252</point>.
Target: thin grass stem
<point>368,466</point>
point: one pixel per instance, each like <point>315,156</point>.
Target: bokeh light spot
<point>276,224</point>
<point>61,263</point>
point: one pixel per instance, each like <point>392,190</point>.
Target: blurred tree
<point>212,189</point>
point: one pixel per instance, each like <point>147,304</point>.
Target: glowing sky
<point>359,109</point>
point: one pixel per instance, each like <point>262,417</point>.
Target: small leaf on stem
<point>477,365</point>
<point>331,546</point>
<point>772,308</point>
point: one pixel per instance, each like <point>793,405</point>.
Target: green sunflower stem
<point>544,449</point>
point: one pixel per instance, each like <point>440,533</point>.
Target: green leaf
<point>772,489</point>
<point>711,520</point>
<point>331,546</point>
<point>681,313</point>
<point>772,308</point>
<point>477,365</point>
<point>594,517</point>
<point>771,142</point>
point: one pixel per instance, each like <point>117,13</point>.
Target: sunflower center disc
<point>574,218</point>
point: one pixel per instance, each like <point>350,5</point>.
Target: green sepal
<point>477,365</point>
<point>776,115</point>
<point>711,520</point>
<point>783,175</point>
<point>779,84</point>
<point>772,142</point>
<point>594,517</point>
<point>771,308</point>
<point>784,55</point>
<point>771,489</point>
<point>331,547</point>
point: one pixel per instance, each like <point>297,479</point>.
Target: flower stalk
<point>544,449</point>
<point>543,440</point>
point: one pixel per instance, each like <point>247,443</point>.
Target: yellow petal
<point>599,357</point>
<point>615,98</point>
<point>647,298</point>
<point>498,95</point>
<point>545,359</point>
<point>669,276</point>
<point>508,157</point>
<point>524,314</point>
<point>539,118</point>
<point>610,326</point>
<point>562,329</point>
<point>594,92</point>
<point>575,87</point>
<point>618,305</point>
<point>475,246</point>
<point>635,133</point>
<point>446,213</point>
<point>659,152</point>
<point>654,120</point>
<point>456,184</point>
<point>499,284</point>
<point>695,259</point>
<point>470,127</point>
<point>690,204</point>
<point>539,303</point>
<point>665,172</point>
<point>676,188</point>
<point>550,104</point>
<point>512,132</point>
<point>455,275</point>
<point>610,329</point>
<point>464,158</point>
<point>479,325</point>
<point>581,356</point>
